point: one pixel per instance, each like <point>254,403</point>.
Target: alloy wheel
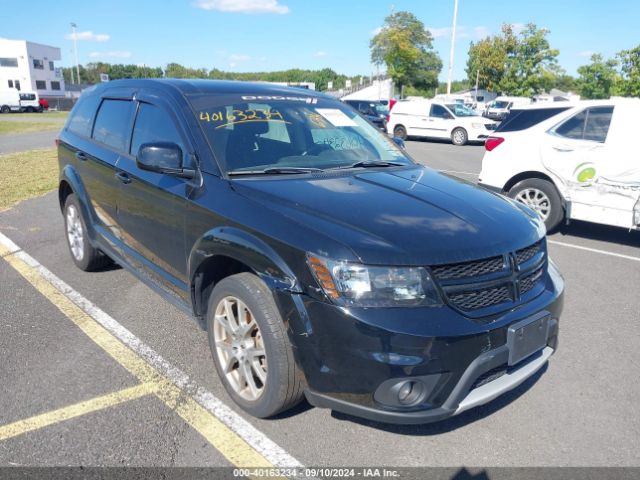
<point>537,200</point>
<point>75,233</point>
<point>240,348</point>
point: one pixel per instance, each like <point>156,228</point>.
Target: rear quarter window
<point>81,117</point>
<point>519,120</point>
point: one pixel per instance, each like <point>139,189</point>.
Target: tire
<point>459,136</point>
<point>541,196</point>
<point>281,387</point>
<point>5,109</point>
<point>30,110</point>
<point>400,132</point>
<point>84,255</point>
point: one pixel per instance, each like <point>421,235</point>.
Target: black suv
<point>376,111</point>
<point>321,259</point>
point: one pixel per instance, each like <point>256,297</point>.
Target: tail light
<point>57,142</point>
<point>387,117</point>
<point>492,142</point>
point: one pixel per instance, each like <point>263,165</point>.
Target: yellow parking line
<point>72,411</point>
<point>221,437</point>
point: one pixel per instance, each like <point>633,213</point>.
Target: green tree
<point>629,83</point>
<point>598,79</point>
<point>406,48</point>
<point>515,64</point>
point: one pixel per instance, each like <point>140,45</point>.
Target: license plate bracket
<point>527,336</point>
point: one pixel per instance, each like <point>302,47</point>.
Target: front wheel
<point>250,347</point>
<point>542,197</point>
<point>459,136</point>
<point>5,109</point>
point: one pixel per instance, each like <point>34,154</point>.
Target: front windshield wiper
<point>369,164</point>
<point>275,171</point>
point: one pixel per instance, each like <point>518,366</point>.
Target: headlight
<point>353,284</point>
<point>477,125</point>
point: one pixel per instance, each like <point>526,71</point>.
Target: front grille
<point>473,300</point>
<point>528,253</point>
<point>468,269</point>
<point>494,283</point>
<point>528,282</point>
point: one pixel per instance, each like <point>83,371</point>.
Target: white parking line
<point>595,250</point>
<point>255,438</point>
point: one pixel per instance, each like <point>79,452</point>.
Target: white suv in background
<point>570,161</point>
<point>428,119</point>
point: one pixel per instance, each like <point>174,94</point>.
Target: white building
<point>29,66</point>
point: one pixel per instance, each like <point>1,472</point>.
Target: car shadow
<point>604,233</point>
<point>453,423</point>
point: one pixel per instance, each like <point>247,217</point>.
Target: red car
<point>44,104</point>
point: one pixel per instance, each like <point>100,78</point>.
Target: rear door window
<point>153,124</point>
<point>590,124</point>
<point>113,123</point>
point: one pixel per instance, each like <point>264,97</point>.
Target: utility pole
<point>453,43</point>
<point>477,80</point>
<point>75,48</point>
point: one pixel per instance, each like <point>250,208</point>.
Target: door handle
<point>123,177</point>
<point>81,156</point>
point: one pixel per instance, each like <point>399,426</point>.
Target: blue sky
<point>250,35</point>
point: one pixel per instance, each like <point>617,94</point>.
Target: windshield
<point>382,109</point>
<point>256,133</point>
<point>459,110</point>
<point>501,104</point>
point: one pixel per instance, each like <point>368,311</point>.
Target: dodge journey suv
<point>320,258</point>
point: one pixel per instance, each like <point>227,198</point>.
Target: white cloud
<point>320,54</point>
<point>88,36</point>
<point>111,54</point>
<point>586,53</point>
<point>474,33</point>
<point>237,57</point>
<point>243,6</point>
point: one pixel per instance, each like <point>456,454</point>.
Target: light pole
<point>75,49</point>
<point>453,43</point>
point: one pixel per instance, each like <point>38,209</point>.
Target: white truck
<point>501,106</point>
<point>9,100</point>
<point>433,119</point>
<point>569,161</point>
<point>30,102</point>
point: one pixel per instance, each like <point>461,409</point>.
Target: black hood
<point>413,216</point>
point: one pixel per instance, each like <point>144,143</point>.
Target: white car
<point>569,161</point>
<point>500,107</point>
<point>430,119</point>
<point>30,102</point>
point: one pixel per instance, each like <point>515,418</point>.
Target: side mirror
<point>399,142</point>
<point>163,157</point>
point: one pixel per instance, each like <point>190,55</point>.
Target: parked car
<point>44,104</point>
<point>500,107</point>
<point>429,119</point>
<point>30,102</point>
<point>376,111</point>
<point>9,100</point>
<point>569,161</point>
<point>321,259</point>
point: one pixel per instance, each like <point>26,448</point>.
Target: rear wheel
<point>5,109</point>
<point>459,136</point>
<point>542,197</point>
<point>84,255</point>
<point>250,347</point>
<point>400,132</point>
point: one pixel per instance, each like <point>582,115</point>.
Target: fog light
<point>410,392</point>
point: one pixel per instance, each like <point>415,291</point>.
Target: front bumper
<point>354,359</point>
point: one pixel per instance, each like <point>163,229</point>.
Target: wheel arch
<point>70,182</point>
<point>527,175</point>
<point>225,251</point>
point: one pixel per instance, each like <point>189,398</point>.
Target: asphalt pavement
<point>11,143</point>
<point>581,411</point>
